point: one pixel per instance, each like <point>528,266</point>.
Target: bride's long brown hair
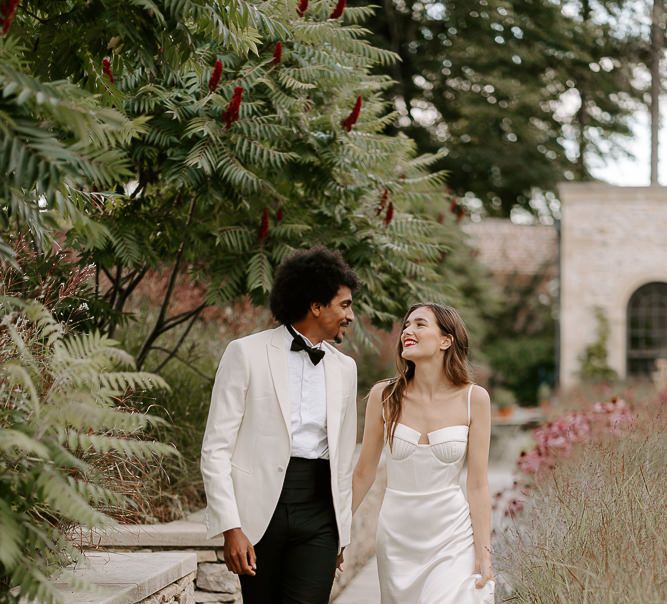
<point>455,363</point>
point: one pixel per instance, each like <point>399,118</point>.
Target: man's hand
<point>239,553</point>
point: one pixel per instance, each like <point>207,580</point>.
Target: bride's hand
<point>486,570</point>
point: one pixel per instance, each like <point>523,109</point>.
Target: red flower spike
<point>338,10</point>
<point>278,53</point>
<point>302,7</point>
<point>264,227</point>
<point>351,119</point>
<point>383,202</point>
<point>231,114</point>
<point>279,215</point>
<point>215,76</point>
<point>106,68</point>
<point>453,205</point>
<point>8,13</point>
<point>390,214</point>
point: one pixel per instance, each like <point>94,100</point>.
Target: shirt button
<point>281,469</point>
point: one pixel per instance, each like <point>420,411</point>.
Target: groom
<point>280,436</point>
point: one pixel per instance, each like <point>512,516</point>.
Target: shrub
<point>61,431</point>
<point>593,360</point>
<point>175,488</point>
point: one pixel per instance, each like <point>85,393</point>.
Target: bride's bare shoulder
<point>479,395</point>
<point>480,403</point>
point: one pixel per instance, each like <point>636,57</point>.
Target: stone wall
<point>612,242</point>
<point>129,576</point>
<point>212,582</point>
<point>181,592</point>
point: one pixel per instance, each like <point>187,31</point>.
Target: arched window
<point>647,328</point>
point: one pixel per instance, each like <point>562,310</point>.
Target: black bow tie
<point>298,343</point>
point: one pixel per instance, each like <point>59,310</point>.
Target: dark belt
<point>306,480</point>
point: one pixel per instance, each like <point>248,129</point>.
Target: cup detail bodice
<point>426,467</point>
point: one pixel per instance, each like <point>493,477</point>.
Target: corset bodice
<point>434,466</point>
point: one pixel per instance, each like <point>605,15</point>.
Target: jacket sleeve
<point>348,443</point>
<point>222,427</point>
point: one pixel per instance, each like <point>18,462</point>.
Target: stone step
<point>127,578</point>
<point>178,534</point>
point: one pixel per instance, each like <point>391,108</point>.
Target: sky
<point>635,172</point>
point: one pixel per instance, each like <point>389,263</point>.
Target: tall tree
<point>495,83</point>
<point>657,52</point>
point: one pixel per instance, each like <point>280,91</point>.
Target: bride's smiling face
<point>421,336</point>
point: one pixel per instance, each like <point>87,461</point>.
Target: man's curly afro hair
<point>308,277</point>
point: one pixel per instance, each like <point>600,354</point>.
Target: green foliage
<point>594,365</point>
<point>503,398</point>
<point>187,186</point>
<point>523,362</point>
<point>519,344</point>
<point>56,280</point>
<point>521,94</point>
<point>55,138</point>
<point>60,426</point>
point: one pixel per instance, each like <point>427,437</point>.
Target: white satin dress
<point>425,548</point>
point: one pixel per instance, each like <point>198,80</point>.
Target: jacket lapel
<point>332,375</point>
<point>279,373</point>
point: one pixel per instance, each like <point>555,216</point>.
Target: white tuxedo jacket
<point>247,442</point>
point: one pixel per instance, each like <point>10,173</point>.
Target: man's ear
<point>316,309</point>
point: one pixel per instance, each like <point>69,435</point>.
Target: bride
<point>433,540</point>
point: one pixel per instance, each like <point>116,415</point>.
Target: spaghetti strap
<point>469,394</point>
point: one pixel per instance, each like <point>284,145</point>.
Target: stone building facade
<point>511,251</point>
<point>613,257</point>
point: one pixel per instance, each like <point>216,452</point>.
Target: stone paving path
<point>365,589</point>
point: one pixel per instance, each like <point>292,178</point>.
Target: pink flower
<point>514,507</point>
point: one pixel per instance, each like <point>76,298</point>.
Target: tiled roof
<point>506,248</point>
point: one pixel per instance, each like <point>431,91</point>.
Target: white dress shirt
<point>308,401</point>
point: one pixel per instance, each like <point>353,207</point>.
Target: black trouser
<point>296,557</point>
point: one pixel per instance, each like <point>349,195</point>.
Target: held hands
<point>239,553</point>
<point>484,569</point>
<point>339,560</point>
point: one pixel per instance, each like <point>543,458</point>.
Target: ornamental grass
<point>587,522</point>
